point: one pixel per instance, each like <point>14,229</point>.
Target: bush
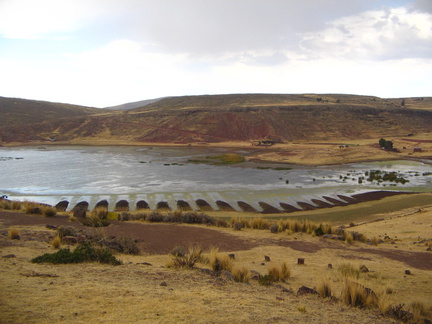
<point>82,253</point>
<point>266,280</point>
<point>99,212</point>
<point>121,244</point>
<point>94,221</point>
<point>187,261</point>
<point>274,228</point>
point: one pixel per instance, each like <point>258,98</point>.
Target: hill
<point>225,118</point>
<point>16,111</point>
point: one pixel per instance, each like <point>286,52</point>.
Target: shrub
<point>49,211</point>
<point>99,212</point>
<point>94,221</point>
<point>63,231</point>
<point>274,228</point>
<point>31,207</point>
<point>266,280</point>
<point>241,274</point>
<point>121,244</point>
<point>82,253</point>
<point>179,251</point>
<point>14,233</point>
<point>56,242</point>
<point>188,261</point>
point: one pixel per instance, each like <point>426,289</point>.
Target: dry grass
<point>56,242</point>
<point>49,211</point>
<point>279,272</point>
<point>240,274</point>
<point>356,295</point>
<point>219,261</point>
<point>13,233</point>
<point>324,288</point>
<point>348,271</point>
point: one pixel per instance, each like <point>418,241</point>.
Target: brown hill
<point>241,117</point>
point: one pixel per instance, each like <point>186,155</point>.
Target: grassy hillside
<point>243,117</point>
<point>15,111</point>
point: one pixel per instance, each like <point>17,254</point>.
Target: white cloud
<point>382,34</point>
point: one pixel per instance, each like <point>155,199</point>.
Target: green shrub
<point>83,253</point>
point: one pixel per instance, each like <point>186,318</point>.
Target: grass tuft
<point>56,242</point>
<point>241,274</point>
<point>14,233</point>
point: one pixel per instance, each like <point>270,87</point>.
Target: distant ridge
<point>136,104</point>
<point>217,119</point>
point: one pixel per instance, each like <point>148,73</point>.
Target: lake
<point>79,173</point>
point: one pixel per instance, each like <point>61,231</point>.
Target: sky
<point>102,53</point>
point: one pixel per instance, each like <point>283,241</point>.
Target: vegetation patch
<point>85,252</point>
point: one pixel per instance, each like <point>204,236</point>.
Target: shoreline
<point>295,153</point>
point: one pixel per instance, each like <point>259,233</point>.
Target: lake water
<point>51,174</point>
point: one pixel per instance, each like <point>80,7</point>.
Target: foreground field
<point>144,289</point>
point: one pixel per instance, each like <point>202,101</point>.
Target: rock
<point>16,237</point>
<point>300,261</point>
<point>266,258</point>
<point>332,237</point>
<point>330,266</point>
<point>429,249</point>
<point>231,256</point>
<point>303,290</point>
<point>53,227</point>
<point>226,275</point>
<point>279,298</point>
<point>8,256</point>
<point>79,212</point>
<point>407,272</point>
<point>163,284</point>
<point>364,269</point>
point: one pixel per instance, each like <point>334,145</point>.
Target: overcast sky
<point>108,52</point>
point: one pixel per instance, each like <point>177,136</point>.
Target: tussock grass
<point>356,295</point>
<point>188,260</point>
<point>418,308</point>
<point>49,211</point>
<point>219,261</point>
<point>56,241</point>
<point>347,270</point>
<point>279,272</point>
<point>5,204</point>
<point>324,288</point>
<point>260,223</point>
<point>13,233</point>
<point>99,212</point>
<point>240,274</point>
